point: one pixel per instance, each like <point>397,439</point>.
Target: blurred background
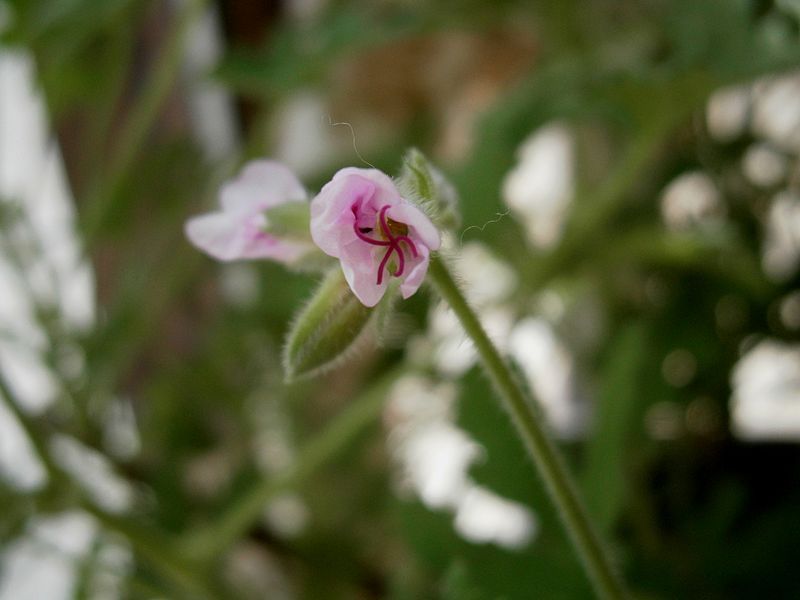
<point>630,191</point>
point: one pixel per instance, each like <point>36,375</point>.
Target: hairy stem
<point>541,449</point>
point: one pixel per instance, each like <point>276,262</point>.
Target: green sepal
<point>424,185</point>
<point>327,330</point>
<point>289,220</point>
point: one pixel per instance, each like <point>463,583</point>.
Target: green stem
<point>339,434</point>
<point>541,449</point>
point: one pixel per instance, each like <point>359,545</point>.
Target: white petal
<point>261,184</point>
<point>418,222</point>
<point>216,234</point>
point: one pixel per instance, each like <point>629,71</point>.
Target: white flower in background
<point>763,165</point>
<point>766,393</point>
<point>487,282</point>
<point>541,187</point>
<point>41,564</point>
<point>287,515</point>
<point>306,139</point>
<point>781,250</point>
<point>550,372</point>
<point>19,465</point>
<point>435,456</point>
<point>94,472</point>
<point>727,112</point>
<point>486,279</point>
<point>485,517</point>
<point>691,199</point>
<point>776,111</point>
<point>453,352</point>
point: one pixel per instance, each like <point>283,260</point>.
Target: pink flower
<point>238,230</point>
<point>360,218</point>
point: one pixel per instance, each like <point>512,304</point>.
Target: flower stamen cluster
<point>391,241</point>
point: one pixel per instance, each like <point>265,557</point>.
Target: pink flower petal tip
<point>360,218</point>
<point>237,230</point>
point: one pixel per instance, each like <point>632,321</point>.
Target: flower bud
<point>427,187</point>
<point>327,330</point>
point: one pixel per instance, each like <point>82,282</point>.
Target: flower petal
<point>359,265</point>
<point>421,226</point>
<point>261,184</point>
<point>227,236</point>
<point>216,234</point>
<point>332,217</point>
<point>416,274</point>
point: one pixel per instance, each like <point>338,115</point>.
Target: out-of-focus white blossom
<point>287,515</point>
<point>765,404</point>
<point>485,517</point>
<point>550,371</point>
<point>19,465</point>
<point>306,141</point>
<point>691,199</point>
<point>763,165</point>
<point>435,456</point>
<point>776,111</point>
<point>41,563</point>
<point>726,113</point>
<point>94,473</point>
<point>454,352</point>
<point>781,250</point>
<point>120,432</point>
<point>540,188</point>
<point>486,280</point>
<point>209,104</point>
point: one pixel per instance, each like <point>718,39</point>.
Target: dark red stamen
<point>392,242</point>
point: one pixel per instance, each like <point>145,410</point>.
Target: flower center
<point>394,234</point>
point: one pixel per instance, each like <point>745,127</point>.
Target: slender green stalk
<point>541,449</point>
<point>337,436</point>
